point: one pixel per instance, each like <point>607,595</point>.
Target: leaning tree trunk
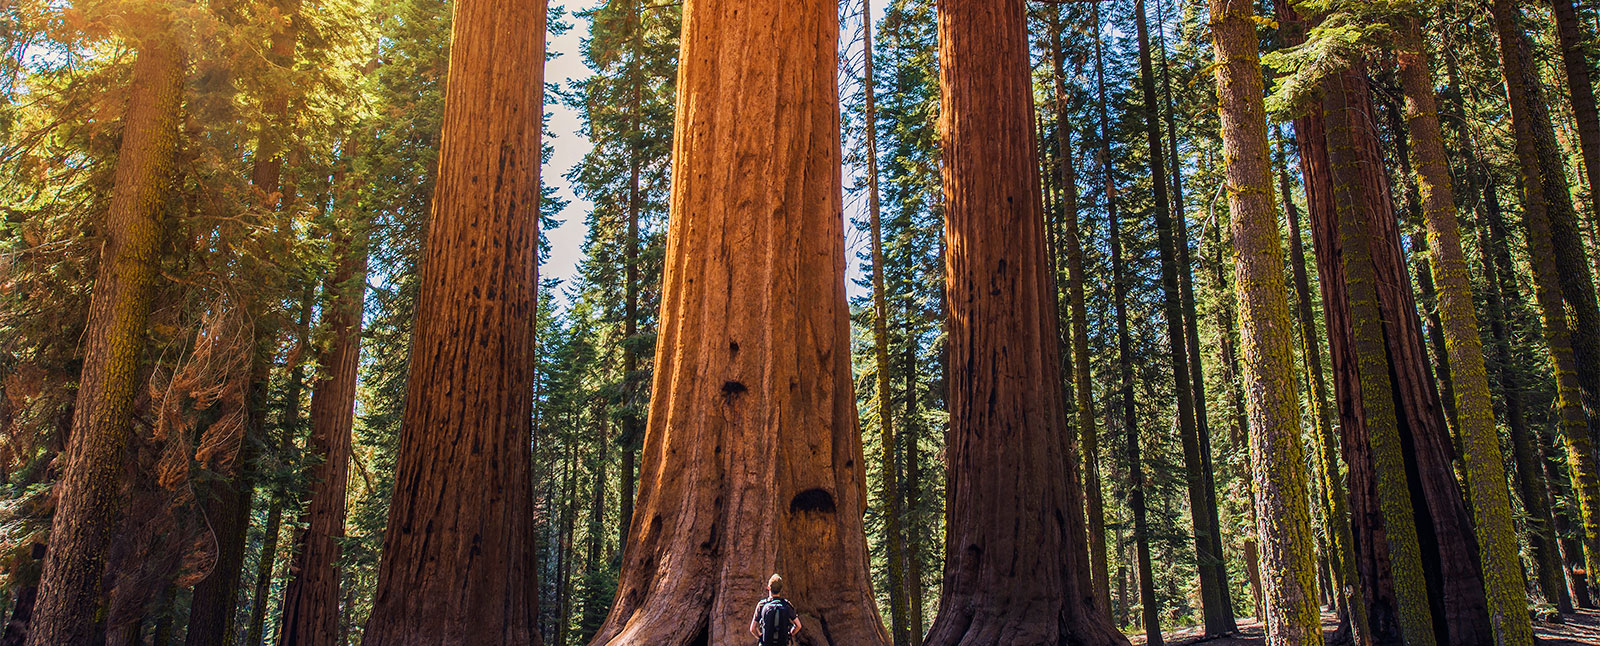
<point>1015,542</point>
<point>752,455</point>
<point>70,589</point>
<point>1575,60</point>
<point>458,557</point>
<point>311,600</point>
<point>1277,456</point>
<point>1506,592</point>
<point>1573,423</point>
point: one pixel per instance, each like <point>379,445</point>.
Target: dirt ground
<point>1580,628</point>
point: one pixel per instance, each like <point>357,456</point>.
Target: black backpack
<point>776,617</point>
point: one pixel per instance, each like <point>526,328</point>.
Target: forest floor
<point>1579,628</point>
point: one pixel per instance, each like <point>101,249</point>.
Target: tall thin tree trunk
<point>1575,60</point>
<point>288,423</point>
<point>630,317</point>
<point>1217,618</point>
<point>70,588</point>
<point>752,456</point>
<point>1574,424</point>
<point>1015,544</point>
<point>311,601</point>
<point>889,470</point>
<point>1279,480</point>
<point>1485,467</point>
<point>912,493</point>
<point>458,557</point>
<point>1082,379</point>
<point>1119,281</point>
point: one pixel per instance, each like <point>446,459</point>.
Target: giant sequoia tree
<point>1015,541</point>
<point>752,457</point>
<point>458,563</point>
<point>70,589</point>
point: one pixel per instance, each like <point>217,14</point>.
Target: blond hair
<point>775,584</point>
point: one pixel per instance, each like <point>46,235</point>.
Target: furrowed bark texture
<point>1283,520</point>
<point>752,458</point>
<point>1506,593</point>
<point>1448,546</point>
<point>458,556</point>
<point>1573,423</point>
<point>1015,543</point>
<point>70,590</point>
<point>311,601</point>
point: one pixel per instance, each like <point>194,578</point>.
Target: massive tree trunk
<point>1372,385</point>
<point>1448,547</point>
<point>1277,457</point>
<point>752,455</point>
<point>889,469</point>
<point>1015,543</point>
<point>1506,592</point>
<point>1574,424</point>
<point>1213,586</point>
<point>311,600</point>
<point>1082,379</point>
<point>458,558</point>
<point>70,589</point>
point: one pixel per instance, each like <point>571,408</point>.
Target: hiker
<point>776,621</point>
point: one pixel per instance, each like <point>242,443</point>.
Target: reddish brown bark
<point>311,601</point>
<point>752,459</point>
<point>1015,542</point>
<point>458,558</point>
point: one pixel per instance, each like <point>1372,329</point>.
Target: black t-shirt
<point>786,616</point>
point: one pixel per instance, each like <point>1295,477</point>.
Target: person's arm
<point>796,629</point>
<point>755,622</point>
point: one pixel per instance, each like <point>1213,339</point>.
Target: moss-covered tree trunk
<point>1574,43</point>
<point>1279,478</point>
<point>1373,387</point>
<point>1573,423</point>
<point>1016,541</point>
<point>458,557</point>
<point>1485,466</point>
<point>752,457</point>
<point>70,590</point>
